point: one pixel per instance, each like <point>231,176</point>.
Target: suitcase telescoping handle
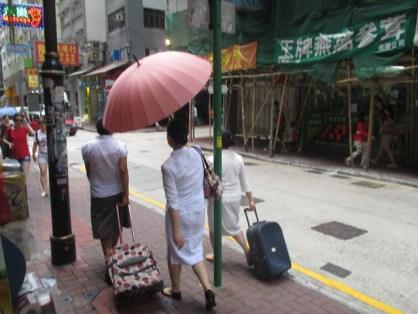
<point>120,226</point>
<point>246,210</point>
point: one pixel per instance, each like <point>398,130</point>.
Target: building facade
<point>82,22</point>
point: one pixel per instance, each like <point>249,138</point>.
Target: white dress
<point>183,186</point>
<point>235,184</point>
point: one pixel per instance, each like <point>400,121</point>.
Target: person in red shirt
<point>360,142</point>
<point>17,140</point>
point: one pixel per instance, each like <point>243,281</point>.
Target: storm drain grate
<point>249,163</point>
<point>317,171</point>
<point>336,270</point>
<point>339,230</point>
<point>368,184</point>
<point>244,201</point>
<point>72,164</point>
<point>143,151</point>
<point>339,176</point>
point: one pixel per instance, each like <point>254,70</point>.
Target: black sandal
<point>210,300</point>
<point>169,293</point>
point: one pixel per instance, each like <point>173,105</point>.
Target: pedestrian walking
<point>4,129</point>
<point>235,183</point>
<point>185,214</point>
<point>40,155</point>
<point>106,162</point>
<point>387,133</point>
<point>360,142</point>
<point>17,140</point>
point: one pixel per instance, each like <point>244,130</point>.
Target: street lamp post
<point>62,239</point>
<point>217,135</point>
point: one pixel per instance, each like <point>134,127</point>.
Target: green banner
<point>377,36</point>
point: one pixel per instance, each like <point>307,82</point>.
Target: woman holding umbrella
<point>16,139</point>
<point>185,216</point>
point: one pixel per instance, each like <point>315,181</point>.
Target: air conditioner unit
<point>119,17</point>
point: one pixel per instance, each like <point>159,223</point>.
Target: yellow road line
<point>346,290</point>
<point>331,283</point>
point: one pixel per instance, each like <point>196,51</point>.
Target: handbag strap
<point>204,161</point>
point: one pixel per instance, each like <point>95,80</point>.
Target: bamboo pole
<point>305,102</point>
<point>243,112</point>
<point>411,111</point>
<point>370,133</point>
<point>282,100</point>
<point>253,114</point>
<point>228,104</point>
<point>350,126</point>
<point>191,121</point>
<point>210,117</point>
<point>261,108</point>
<point>271,120</point>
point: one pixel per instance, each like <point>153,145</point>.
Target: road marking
<point>331,283</point>
<point>342,287</point>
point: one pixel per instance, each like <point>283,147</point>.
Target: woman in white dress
<point>185,212</point>
<point>235,184</point>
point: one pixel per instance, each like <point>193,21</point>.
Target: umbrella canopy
<point>154,88</point>
<point>7,111</point>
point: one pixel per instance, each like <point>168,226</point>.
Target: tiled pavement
<point>83,290</point>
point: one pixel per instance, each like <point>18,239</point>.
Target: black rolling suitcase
<point>268,251</point>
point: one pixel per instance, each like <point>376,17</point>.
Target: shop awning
<point>107,68</point>
<point>82,71</point>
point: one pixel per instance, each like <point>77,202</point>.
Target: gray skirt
<point>104,221</point>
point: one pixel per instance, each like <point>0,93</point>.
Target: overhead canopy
<point>107,68</point>
<point>81,72</point>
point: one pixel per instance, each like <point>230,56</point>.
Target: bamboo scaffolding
<point>370,132</point>
<point>253,114</point>
<point>227,110</point>
<point>411,113</point>
<point>261,110</point>
<point>271,119</point>
<point>210,117</point>
<point>302,113</point>
<point>282,101</point>
<point>243,111</point>
<point>349,105</point>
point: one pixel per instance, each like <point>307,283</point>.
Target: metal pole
<point>371,118</point>
<point>63,249</point>
<point>217,135</point>
<point>350,126</point>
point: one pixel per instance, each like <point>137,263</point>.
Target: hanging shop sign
<point>378,36</point>
<point>68,53</point>
<point>21,15</point>
<point>32,78</point>
<point>237,57</point>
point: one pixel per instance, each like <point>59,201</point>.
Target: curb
<point>353,173</point>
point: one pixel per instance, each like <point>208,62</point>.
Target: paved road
<point>377,221</point>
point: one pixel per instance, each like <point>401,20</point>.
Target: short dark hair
<point>178,130</point>
<point>100,128</point>
<point>227,138</point>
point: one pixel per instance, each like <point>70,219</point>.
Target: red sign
<point>68,53</point>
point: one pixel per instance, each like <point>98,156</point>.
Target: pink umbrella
<point>154,88</point>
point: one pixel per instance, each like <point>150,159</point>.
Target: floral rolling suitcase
<point>133,270</point>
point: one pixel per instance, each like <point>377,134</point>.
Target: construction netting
<point>311,36</point>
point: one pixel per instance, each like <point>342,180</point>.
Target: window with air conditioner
<point>116,20</point>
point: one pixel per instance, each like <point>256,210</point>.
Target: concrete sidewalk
<point>83,290</point>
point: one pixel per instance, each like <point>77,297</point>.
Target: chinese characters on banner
<point>384,35</point>
<point>32,78</point>
<point>68,53</point>
<point>21,15</point>
<point>237,57</point>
